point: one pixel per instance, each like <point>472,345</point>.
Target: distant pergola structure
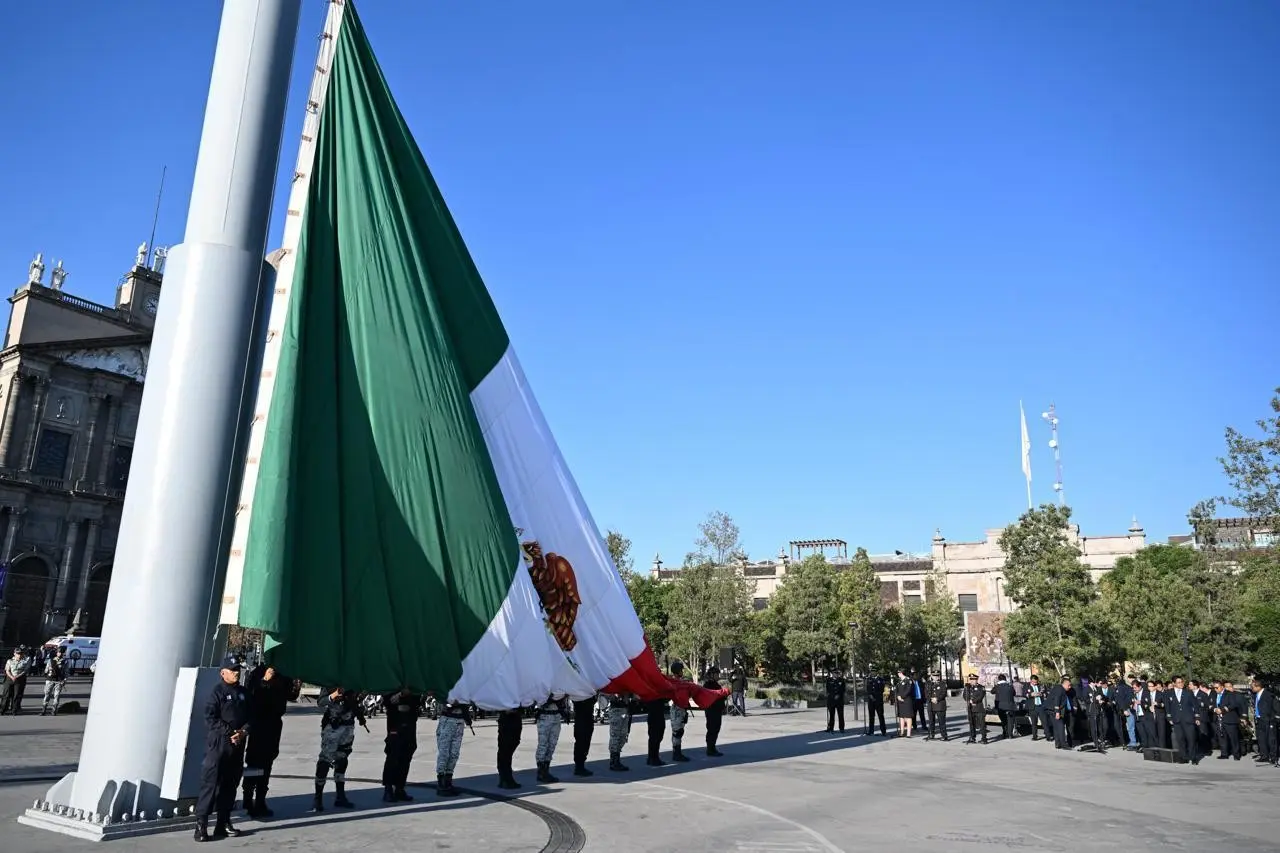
<point>801,548</point>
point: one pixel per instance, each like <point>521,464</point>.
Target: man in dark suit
<point>1006,705</point>
<point>1180,705</point>
<point>1227,707</point>
<point>1205,718</point>
<point>1159,714</point>
<point>1126,731</point>
<point>1140,713</point>
<point>1063,713</point>
<point>1262,709</point>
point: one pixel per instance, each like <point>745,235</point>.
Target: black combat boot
<point>260,799</point>
<point>677,754</point>
<point>403,796</point>
<point>655,760</point>
<point>580,769</point>
<point>448,780</point>
<point>615,762</point>
<point>712,752</point>
<point>388,793</point>
<point>340,799</point>
<point>506,779</point>
<point>317,805</point>
<point>544,773</point>
<point>444,786</point>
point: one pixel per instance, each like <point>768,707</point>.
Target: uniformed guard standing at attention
<point>403,709</point>
<point>584,725</point>
<point>937,694</point>
<point>875,702</point>
<point>269,696</point>
<point>454,716</point>
<point>655,712</point>
<point>975,703</point>
<point>226,713</point>
<point>619,729</point>
<point>835,699</point>
<point>551,715</point>
<point>510,727</point>
<point>340,711</point>
<point>714,712</point>
<point>679,716</point>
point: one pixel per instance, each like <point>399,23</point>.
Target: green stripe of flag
<point>379,547</point>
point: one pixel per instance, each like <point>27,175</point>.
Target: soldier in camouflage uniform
<point>551,714</point>
<point>453,717</point>
<point>619,728</point>
<point>679,718</point>
<point>341,712</point>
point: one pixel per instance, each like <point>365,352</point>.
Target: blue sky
<point>796,262</point>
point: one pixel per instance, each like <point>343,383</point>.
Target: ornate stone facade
<point>71,376</point>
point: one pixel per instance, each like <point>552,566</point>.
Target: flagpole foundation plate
<point>50,815</point>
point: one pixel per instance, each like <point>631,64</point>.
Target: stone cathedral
<point>71,374</point>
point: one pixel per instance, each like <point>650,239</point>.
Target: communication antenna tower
<point>1051,417</point>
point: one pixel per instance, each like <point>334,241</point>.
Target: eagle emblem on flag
<point>557,588</point>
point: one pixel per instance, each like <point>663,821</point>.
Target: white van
<point>81,652</point>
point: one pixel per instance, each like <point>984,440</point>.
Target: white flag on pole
<point>1026,452</point>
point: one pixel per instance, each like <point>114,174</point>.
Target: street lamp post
<point>853,664</point>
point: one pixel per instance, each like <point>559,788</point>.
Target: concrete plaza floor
<point>785,785</point>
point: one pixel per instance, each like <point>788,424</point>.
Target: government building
<point>974,571</point>
<point>71,374</point>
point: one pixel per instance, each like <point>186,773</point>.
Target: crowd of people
<point>244,718</point>
<point>1187,719</point>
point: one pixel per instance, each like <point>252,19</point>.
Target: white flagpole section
<point>1026,453</point>
<point>230,610</point>
<point>173,530</point>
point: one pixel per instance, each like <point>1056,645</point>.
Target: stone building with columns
<point>974,571</point>
<point>71,374</point>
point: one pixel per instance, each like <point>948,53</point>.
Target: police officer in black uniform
<point>936,693</point>
<point>403,709</point>
<point>269,696</point>
<point>584,725</point>
<point>875,702</point>
<point>510,727</point>
<point>835,699</point>
<point>226,714</point>
<point>975,703</point>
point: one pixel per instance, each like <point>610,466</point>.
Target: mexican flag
<point>411,521</point>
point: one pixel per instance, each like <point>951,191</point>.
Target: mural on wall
<point>984,637</point>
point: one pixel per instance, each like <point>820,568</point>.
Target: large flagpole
<point>175,525</point>
<point>1026,453</point>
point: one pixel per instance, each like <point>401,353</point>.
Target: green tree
<point>719,541</point>
<point>1252,466</point>
<point>620,551</point>
<point>858,591</point>
<point>940,620</point>
<point>810,612</point>
<point>763,640</point>
<point>1260,600</point>
<point>1058,624</point>
<point>1167,604</point>
<point>650,597</point>
<point>708,608</point>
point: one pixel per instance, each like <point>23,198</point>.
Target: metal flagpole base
<point>130,821</point>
